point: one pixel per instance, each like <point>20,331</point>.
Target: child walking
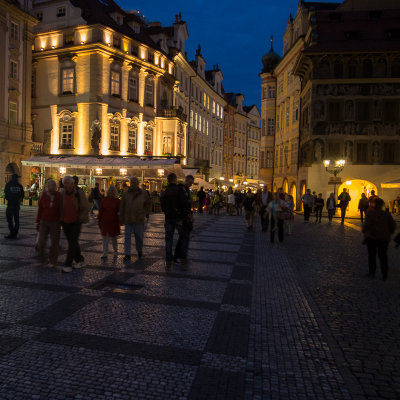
<point>109,220</point>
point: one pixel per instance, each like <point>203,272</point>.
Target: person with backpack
<point>74,213</point>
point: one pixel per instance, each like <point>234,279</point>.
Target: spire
<point>198,51</point>
<point>272,43</point>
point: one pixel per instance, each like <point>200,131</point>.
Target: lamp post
<point>334,168</point>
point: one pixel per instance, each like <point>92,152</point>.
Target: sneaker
<point>79,265</point>
<point>127,257</point>
<point>66,268</point>
<point>168,265</point>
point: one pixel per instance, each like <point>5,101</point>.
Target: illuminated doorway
<point>293,193</point>
<point>285,186</point>
<point>355,188</point>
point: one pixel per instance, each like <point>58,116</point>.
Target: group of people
<point>313,202</point>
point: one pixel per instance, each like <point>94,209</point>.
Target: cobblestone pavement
<point>249,320</point>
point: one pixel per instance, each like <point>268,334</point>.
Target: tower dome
<point>271,59</point>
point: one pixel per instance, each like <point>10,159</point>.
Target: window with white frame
<point>207,128</point>
<point>14,31</point>
<point>213,107</point>
<point>149,91</point>
<point>132,138</point>
<point>167,145</point>
<point>114,135</point>
<point>133,89</point>
<point>12,112</point>
<point>271,92</point>
<point>208,103</point>
<point>67,131</point>
<point>195,121</point>
<point>148,140</point>
<point>200,123</point>
<point>191,117</point>
<point>13,69</point>
<point>271,127</point>
<point>204,100</point>
<point>115,83</point>
<point>67,80</point>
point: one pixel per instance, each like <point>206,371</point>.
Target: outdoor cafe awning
<point>391,185</point>
<point>99,162</point>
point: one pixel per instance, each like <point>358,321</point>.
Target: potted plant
<point>148,152</point>
<point>2,197</point>
<point>35,200</point>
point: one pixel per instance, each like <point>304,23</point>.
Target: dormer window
<point>61,11</point>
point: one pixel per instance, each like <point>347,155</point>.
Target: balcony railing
<point>37,148</point>
<point>173,113</point>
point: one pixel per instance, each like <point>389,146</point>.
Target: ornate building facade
<point>101,85</point>
<point>350,97</point>
<point>253,144</point>
<point>16,40</point>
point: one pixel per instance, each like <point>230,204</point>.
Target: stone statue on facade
<point>318,150</point>
<point>376,152</point>
<point>96,136</point>
<point>349,151</point>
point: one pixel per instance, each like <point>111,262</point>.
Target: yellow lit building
<point>102,85</point>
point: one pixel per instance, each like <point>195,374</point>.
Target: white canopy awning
<point>105,162</point>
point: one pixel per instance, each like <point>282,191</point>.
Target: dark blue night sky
<point>234,34</point>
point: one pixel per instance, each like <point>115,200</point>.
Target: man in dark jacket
<point>344,200</point>
<point>176,206</point>
<point>14,193</point>
<point>201,195</point>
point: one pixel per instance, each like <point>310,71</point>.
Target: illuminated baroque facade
<point>16,40</point>
<point>101,84</point>
<point>350,97</point>
<point>253,143</point>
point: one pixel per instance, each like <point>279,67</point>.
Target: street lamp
<point>334,168</point>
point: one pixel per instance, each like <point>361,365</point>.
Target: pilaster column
<point>142,83</point>
<point>140,136</point>
<point>55,133</point>
<point>123,145</point>
<point>126,67</point>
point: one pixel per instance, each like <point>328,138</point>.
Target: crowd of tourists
<point>66,208</point>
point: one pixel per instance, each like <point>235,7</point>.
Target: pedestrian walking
<point>308,203</point>
<point>363,205</point>
<point>74,213</point>
<point>248,204</point>
<point>239,198</point>
<point>331,206</point>
<point>95,197</point>
<point>319,206</point>
<point>135,204</point>
<point>201,196</point>
<point>109,220</point>
<point>175,205</point>
<point>266,197</point>
<point>216,202</point>
<point>344,200</point>
<point>14,193</point>
<point>276,209</point>
<point>289,214</point>
<point>378,227</point>
<point>207,204</point>
<point>48,222</point>
<point>187,225</point>
<point>371,200</point>
<point>231,203</point>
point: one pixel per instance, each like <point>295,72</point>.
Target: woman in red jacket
<point>109,220</point>
<point>48,222</point>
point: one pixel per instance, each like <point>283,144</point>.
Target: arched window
<point>148,140</point>
<point>352,68</point>
<point>367,68</point>
<point>382,68</point>
<point>396,68</point>
<point>115,128</point>
<point>338,69</point>
<point>132,137</point>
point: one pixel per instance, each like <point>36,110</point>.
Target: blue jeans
<point>95,206</point>
<point>183,241</point>
<point>138,231</point>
